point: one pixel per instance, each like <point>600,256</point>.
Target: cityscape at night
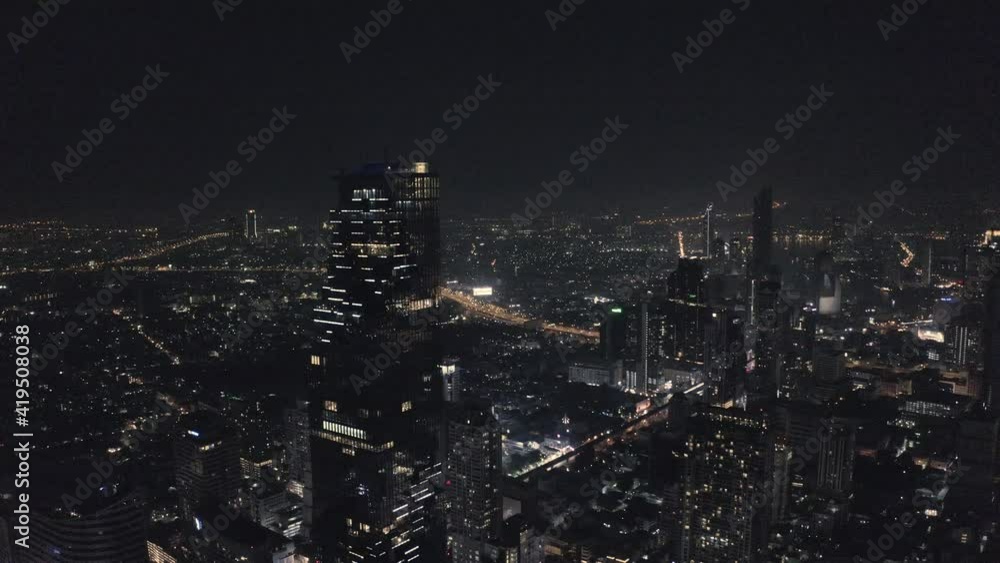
<point>529,282</point>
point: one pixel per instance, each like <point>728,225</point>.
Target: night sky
<point>607,59</point>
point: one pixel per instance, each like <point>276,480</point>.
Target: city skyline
<point>571,282</point>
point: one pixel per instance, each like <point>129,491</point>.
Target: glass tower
<point>374,411</point>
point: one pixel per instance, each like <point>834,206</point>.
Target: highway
<point>605,439</point>
<point>500,314</point>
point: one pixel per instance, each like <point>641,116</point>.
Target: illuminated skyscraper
<point>991,343</point>
<point>709,235</point>
<point>373,379</point>
<point>827,285</point>
<point>298,451</point>
<point>729,460</point>
<point>451,384</point>
<point>206,463</point>
<point>250,228</point>
<point>473,474</point>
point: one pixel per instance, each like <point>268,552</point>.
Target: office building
<point>112,525</point>
<point>451,380</point>
<point>473,473</point>
<point>835,467</point>
<point>729,457</point>
<point>762,228</point>
<point>827,285</point>
<point>250,225</point>
<point>206,463</point>
<point>709,234</point>
<point>684,313</point>
<point>991,343</point>
<point>725,355</point>
<point>373,409</point>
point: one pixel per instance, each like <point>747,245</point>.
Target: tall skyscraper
<point>763,233</point>
<point>298,452</point>
<point>643,341</point>
<point>770,348</point>
<point>961,341</point>
<point>376,371</point>
<point>827,285</point>
<point>206,463</point>
<point>614,334</point>
<point>991,343</point>
<point>473,473</point>
<point>451,384</point>
<point>685,313</point>
<point>835,468</point>
<point>709,234</point>
<point>250,226</point>
<point>725,355</point>
<point>729,460</point>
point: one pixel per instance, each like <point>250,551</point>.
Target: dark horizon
<point>557,87</point>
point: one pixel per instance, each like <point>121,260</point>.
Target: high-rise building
<point>519,543</point>
<point>685,313</point>
<point>961,341</point>
<point>829,364</point>
<point>763,233</point>
<point>827,285</point>
<point>727,466</point>
<point>451,384</point>
<point>373,410</point>
<point>768,377</point>
<point>977,443</point>
<point>709,234</point>
<point>725,355</point>
<point>614,334</point>
<point>991,343</point>
<point>206,463</point>
<point>835,468</point>
<point>298,453</point>
<point>112,525</point>
<point>250,225</point>
<point>473,473</point>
